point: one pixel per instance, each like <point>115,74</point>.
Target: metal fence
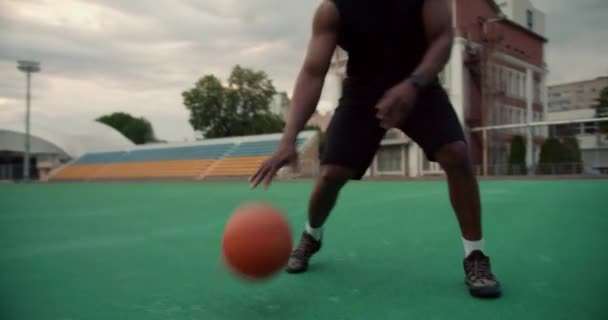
<point>543,170</point>
<point>10,172</point>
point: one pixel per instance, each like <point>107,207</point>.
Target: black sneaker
<point>298,262</point>
<point>478,276</point>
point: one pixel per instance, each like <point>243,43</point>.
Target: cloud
<point>103,56</point>
<point>578,40</point>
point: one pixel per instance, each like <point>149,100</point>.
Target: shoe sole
<point>295,271</point>
<point>304,269</point>
<point>493,292</point>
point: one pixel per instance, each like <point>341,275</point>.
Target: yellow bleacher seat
<point>78,172</point>
<point>238,166</point>
<point>155,169</point>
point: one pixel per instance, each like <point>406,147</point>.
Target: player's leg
<point>434,125</point>
<point>325,193</point>
<point>464,195</point>
<point>351,141</point>
<point>322,200</point>
<point>464,192</point>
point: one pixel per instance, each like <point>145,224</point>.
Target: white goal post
<point>529,125</point>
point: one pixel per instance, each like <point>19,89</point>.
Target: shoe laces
<point>479,267</point>
<point>306,247</point>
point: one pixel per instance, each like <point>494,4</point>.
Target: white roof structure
<point>71,139</point>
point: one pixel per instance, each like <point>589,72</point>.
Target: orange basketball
<point>257,241</point>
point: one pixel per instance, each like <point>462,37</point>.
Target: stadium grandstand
<point>94,151</point>
<point>210,158</point>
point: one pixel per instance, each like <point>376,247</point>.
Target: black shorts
<point>354,134</point>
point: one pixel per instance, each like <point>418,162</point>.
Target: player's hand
<point>396,103</point>
<point>286,154</point>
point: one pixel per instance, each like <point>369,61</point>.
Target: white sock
<point>470,246</point>
<point>316,233</point>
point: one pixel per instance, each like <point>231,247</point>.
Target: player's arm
<point>309,85</point>
<point>311,78</point>
<point>437,19</point>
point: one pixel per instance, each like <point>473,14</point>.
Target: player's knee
<point>454,158</point>
<point>334,177</point>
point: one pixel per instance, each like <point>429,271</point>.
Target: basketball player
<point>396,49</point>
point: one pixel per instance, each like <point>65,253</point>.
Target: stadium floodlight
<point>28,67</point>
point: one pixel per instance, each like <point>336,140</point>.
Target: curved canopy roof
<point>71,139</point>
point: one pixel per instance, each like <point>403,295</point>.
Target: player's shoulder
<point>327,13</point>
<point>331,5</point>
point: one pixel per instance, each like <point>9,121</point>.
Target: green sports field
<point>392,251</point>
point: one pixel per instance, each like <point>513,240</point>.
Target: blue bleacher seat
<point>245,149</point>
<point>258,148</point>
<point>157,154</point>
<point>179,153</point>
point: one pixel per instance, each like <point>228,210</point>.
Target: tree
<point>265,123</point>
<point>239,108</point>
<point>572,157</point>
<point>558,157</point>
<point>550,155</point>
<point>601,109</point>
<point>517,156</point>
<point>138,130</point>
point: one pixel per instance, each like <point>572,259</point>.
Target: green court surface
<point>392,251</point>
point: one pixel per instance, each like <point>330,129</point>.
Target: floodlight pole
<point>28,67</point>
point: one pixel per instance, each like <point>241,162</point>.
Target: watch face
<point>418,80</point>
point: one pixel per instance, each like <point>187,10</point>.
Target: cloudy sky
<point>138,56</point>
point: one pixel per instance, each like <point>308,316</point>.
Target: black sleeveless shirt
<point>385,41</point>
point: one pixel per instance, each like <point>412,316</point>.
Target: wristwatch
<point>418,80</point>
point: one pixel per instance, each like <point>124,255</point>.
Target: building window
<point>498,78</point>
<point>390,159</point>
<point>515,85</point>
<point>506,85</point>
<point>500,112</point>
<point>590,128</point>
<point>561,130</point>
<point>426,165</point>
<point>523,85</point>
<point>530,16</point>
<point>518,85</point>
